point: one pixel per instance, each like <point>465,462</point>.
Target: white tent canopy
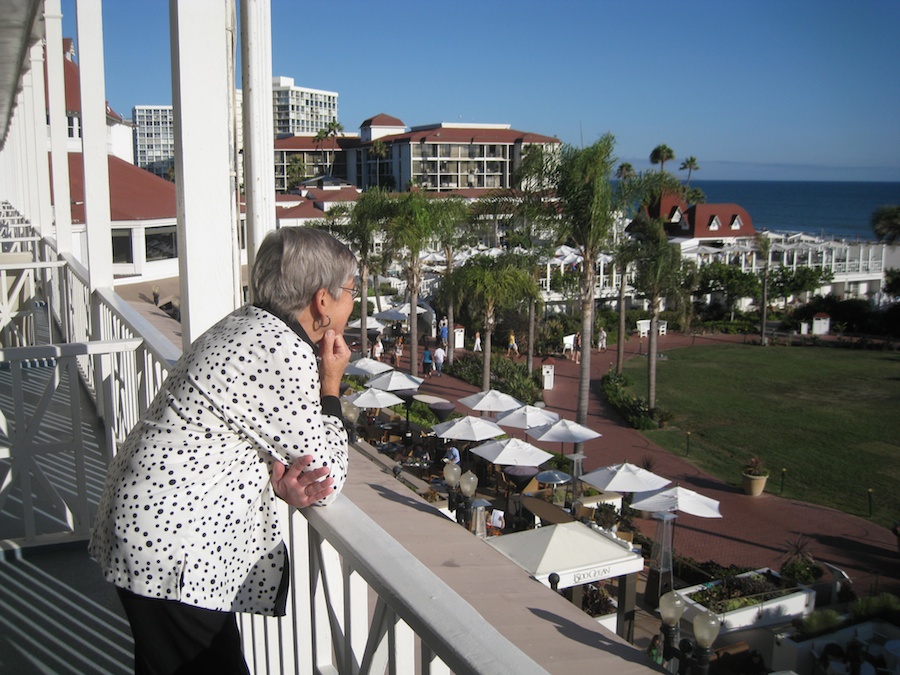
<point>577,553</point>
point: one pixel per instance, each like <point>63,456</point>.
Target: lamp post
<point>689,655</point>
<point>468,483</point>
<point>451,478</point>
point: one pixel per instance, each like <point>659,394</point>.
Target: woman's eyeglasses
<point>354,292</point>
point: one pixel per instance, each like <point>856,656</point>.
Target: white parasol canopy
<point>467,428</point>
<point>374,398</point>
<point>395,381</point>
<point>491,401</point>
<point>624,477</point>
<point>677,499</point>
<point>574,551</point>
<point>562,431</point>
<point>512,452</point>
<point>367,367</point>
<point>399,313</point>
<point>371,324</point>
<point>526,417</point>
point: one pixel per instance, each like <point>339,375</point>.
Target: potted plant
<point>754,476</point>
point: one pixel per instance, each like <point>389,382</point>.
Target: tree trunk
<point>620,343</point>
<point>764,307</point>
<point>587,322</point>
<point>529,363</point>
<point>486,368</point>
<point>651,354</point>
<point>364,308</point>
<point>413,331</point>
<point>450,322</point>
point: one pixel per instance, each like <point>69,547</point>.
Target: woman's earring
<point>318,325</point>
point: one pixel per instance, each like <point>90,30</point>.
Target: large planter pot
<point>754,485</point>
<point>771,611</point>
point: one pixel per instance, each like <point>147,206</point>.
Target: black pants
<point>171,637</point>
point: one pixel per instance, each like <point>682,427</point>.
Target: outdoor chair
<point>568,344</point>
<point>662,327</point>
<point>643,328</point>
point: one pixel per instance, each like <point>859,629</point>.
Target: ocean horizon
<point>840,209</point>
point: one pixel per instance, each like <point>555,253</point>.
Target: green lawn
<point>830,417</point>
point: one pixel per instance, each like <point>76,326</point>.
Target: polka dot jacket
<point>188,511</point>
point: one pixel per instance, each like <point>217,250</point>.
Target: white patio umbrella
<point>512,452</point>
<point>371,324</point>
<point>399,313</point>
<point>677,499</point>
<point>367,367</point>
<point>374,398</point>
<point>395,381</point>
<point>562,431</point>
<point>624,477</point>
<point>467,428</point>
<point>526,417</point>
<point>491,401</point>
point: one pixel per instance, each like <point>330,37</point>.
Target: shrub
<point>817,623</point>
<point>633,409</point>
<point>507,376</point>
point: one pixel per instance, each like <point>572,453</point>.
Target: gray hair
<point>293,263</point>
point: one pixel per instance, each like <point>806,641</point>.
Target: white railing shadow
<point>340,557</point>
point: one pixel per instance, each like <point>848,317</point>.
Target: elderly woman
<point>187,527</point>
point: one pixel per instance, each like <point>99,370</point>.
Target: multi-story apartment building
<point>154,138</point>
<point>298,110</point>
<point>440,157</point>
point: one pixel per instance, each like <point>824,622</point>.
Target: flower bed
<point>752,599</point>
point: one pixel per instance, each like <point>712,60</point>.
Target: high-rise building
<point>154,138</point>
<point>298,110</point>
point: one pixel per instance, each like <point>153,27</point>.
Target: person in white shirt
<point>187,527</point>
<point>439,357</point>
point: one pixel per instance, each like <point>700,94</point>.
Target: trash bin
<point>459,338</point>
<point>547,370</point>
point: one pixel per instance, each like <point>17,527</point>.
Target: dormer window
<point>737,223</point>
<point>676,215</point>
<point>715,223</point>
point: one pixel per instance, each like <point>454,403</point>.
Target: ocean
<point>829,209</point>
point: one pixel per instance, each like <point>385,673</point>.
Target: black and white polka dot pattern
<point>188,512</point>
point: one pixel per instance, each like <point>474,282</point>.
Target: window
<point>121,246</point>
<point>162,243</point>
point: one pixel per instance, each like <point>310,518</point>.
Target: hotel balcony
<point>381,581</point>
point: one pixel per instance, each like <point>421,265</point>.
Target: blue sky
<point>754,89</point>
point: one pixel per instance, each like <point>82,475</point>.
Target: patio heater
<point>686,655</point>
<point>407,396</point>
<point>480,524</point>
<point>660,572</point>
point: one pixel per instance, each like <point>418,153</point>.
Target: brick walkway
<point>753,531</point>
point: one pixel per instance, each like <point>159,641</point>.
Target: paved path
<point>753,532</point>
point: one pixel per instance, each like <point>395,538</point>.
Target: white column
<point>26,142</point>
<point>259,136</point>
<point>93,143</point>
<point>202,46</point>
<point>42,217</point>
<point>58,126</point>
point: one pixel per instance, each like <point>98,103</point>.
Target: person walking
<point>513,346</point>
<point>439,356</point>
<point>576,349</point>
<point>601,340</point>
<point>477,342</point>
<point>427,361</point>
<point>398,351</point>
<point>377,349</point>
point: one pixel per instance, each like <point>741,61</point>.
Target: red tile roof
<point>382,120</point>
<point>307,143</point>
<point>306,210</point>
<point>134,194</point>
<point>702,220</point>
<point>469,135</point>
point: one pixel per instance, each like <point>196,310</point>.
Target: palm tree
<point>886,223</point>
<point>332,130</point>
<point>690,165</point>
<point>588,214</point>
<point>660,155</point>
<point>493,284</point>
<point>369,216</point>
<point>658,275</point>
<point>379,151</point>
<point>409,231</point>
<point>763,246</point>
<point>452,228</point>
<point>319,139</point>
<point>625,171</point>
